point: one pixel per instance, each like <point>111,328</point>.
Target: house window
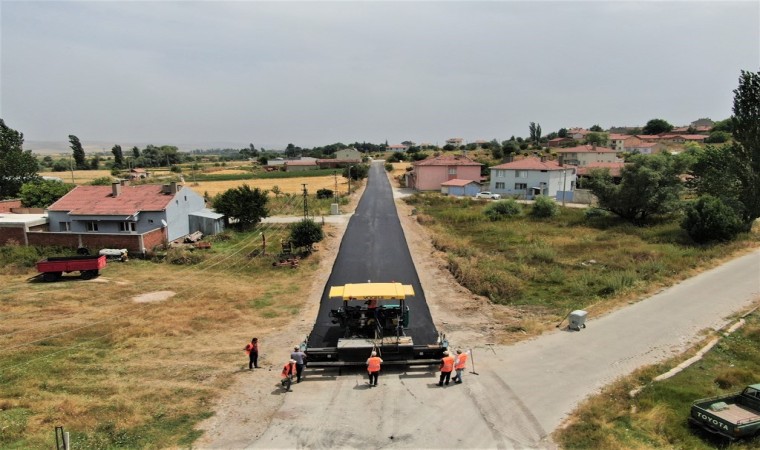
<point>452,170</point>
<point>64,226</point>
<point>521,186</point>
<point>92,226</point>
<point>499,173</point>
<point>521,174</point>
<point>127,226</point>
<point>499,185</point>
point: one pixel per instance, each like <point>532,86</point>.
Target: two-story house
<point>429,174</point>
<point>530,177</point>
<point>585,154</point>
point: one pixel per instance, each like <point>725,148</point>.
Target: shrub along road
<point>520,393</point>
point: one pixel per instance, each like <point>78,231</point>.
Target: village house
<point>621,142</point>
<point>559,142</point>
<point>398,148</point>
<point>348,153</point>
<point>456,142</point>
<point>530,177</point>
<point>429,174</point>
<point>646,148</point>
<point>137,218</point>
<point>585,154</point>
<point>301,165</point>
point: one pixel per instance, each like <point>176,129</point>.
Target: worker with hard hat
<point>447,366</point>
<point>459,364</point>
<point>373,367</point>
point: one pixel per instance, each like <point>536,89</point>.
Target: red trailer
<point>88,266</point>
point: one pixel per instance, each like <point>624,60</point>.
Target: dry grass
<point>287,185</point>
<point>399,168</point>
<point>138,375</point>
<point>79,176</point>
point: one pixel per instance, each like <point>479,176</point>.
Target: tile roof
<point>614,168</point>
<point>620,137</point>
<point>458,182</point>
<point>446,160</point>
<point>585,149</point>
<point>99,200</point>
<point>531,163</point>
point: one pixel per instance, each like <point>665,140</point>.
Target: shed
<point>465,188</point>
<point>207,222</point>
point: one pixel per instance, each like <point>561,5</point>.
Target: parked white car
<point>488,194</point>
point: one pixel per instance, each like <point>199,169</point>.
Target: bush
<point>306,233</point>
<point>502,209</point>
<point>102,181</point>
<point>182,256</point>
<point>388,167</point>
<point>595,213</point>
<point>709,219</point>
<point>544,207</point>
<point>325,193</point>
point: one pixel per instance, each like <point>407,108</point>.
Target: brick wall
<point>153,238</point>
<point>6,205</point>
<point>95,241</point>
<point>12,234</point>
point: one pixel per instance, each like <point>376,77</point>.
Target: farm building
<point>461,188</point>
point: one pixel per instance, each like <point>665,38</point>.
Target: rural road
<point>520,393</point>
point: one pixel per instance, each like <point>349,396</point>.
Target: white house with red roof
<point>122,209</point>
<point>530,177</point>
<point>586,154</point>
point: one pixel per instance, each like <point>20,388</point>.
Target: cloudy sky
<point>313,73</point>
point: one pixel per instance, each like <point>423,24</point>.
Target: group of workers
<point>294,367</point>
<point>448,364</point>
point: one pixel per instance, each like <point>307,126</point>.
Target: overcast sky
<point>314,73</point>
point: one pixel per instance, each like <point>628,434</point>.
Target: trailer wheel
<point>51,276</point>
<point>89,274</point>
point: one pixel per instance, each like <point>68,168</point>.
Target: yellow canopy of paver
<point>366,291</point>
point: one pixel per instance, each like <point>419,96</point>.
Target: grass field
<point>121,374</point>
<point>657,416</point>
<point>552,266</point>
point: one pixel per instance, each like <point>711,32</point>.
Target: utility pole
<point>349,179</point>
<point>71,166</point>
<point>564,185</point>
<point>305,203</point>
<point>335,175</point>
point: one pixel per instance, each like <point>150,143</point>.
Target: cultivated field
<point>79,176</point>
<point>286,185</point>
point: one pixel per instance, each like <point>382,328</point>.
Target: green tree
<point>657,126</point>
<point>101,181</point>
<point>596,138</point>
<point>650,185</point>
<point>732,172</point>
<point>16,165</point>
<point>118,157</point>
<point>306,233</point>
<point>246,205</point>
<point>718,137</point>
<point>596,128</point>
<point>135,152</point>
<point>357,172</point>
<point>80,161</point>
<point>562,132</point>
<point>95,163</point>
<point>723,125</point>
<point>276,191</point>
<point>43,193</point>
<point>535,133</point>
<point>709,219</point>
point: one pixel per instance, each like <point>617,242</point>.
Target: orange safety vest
<point>251,348</point>
<point>447,364</point>
<point>289,369</point>
<point>373,364</point>
<point>462,362</point>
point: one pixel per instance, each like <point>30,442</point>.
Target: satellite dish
<point>163,223</point>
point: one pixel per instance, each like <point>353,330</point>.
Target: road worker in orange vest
<point>252,350</point>
<point>288,372</point>
<point>447,365</point>
<point>460,362</point>
<point>373,367</point>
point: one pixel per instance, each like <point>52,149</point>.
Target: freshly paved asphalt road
<point>374,249</point>
<point>520,393</point>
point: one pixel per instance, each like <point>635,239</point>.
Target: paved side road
<point>520,393</point>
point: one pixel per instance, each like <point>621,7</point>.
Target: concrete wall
<point>186,201</point>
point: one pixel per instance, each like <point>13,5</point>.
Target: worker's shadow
<point>362,387</point>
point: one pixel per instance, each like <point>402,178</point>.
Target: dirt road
<point>520,393</point>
